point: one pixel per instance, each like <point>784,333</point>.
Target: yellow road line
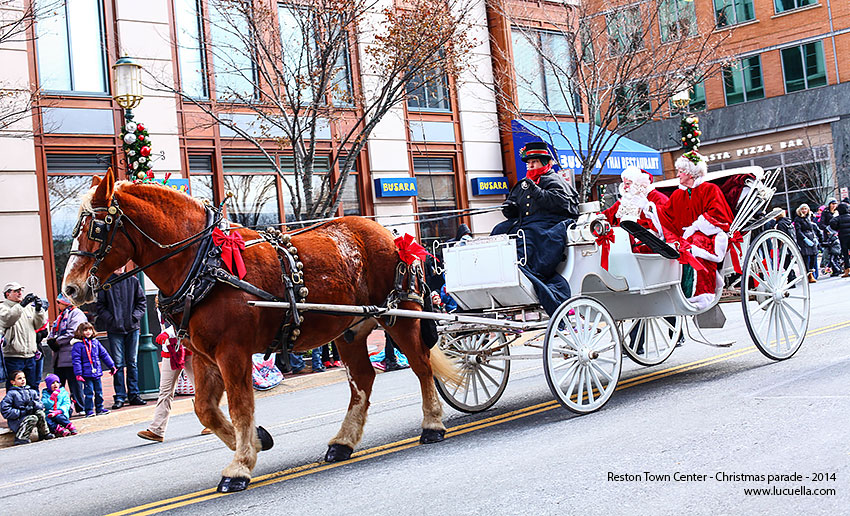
<point>412,442</point>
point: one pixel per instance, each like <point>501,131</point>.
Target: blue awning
<point>559,135</point>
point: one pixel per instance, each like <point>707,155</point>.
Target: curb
<point>179,406</point>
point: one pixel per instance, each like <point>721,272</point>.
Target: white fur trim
<point>702,301</point>
<point>634,174</point>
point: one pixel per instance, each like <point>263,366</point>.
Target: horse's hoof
<point>233,484</point>
<point>430,436</point>
<point>266,441</point>
<point>338,453</point>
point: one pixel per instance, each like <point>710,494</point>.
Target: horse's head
<point>100,245</point>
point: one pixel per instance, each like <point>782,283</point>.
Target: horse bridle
<point>104,230</point>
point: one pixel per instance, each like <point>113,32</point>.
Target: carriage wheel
<point>775,295</point>
<point>582,355</point>
<point>651,341</point>
<point>484,368</point>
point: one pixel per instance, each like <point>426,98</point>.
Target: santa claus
<point>698,214</point>
<point>640,202</point>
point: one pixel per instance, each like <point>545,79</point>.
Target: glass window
<point>71,48</point>
<point>804,67</point>
<point>543,62</point>
<point>625,33</point>
<point>252,181</point>
<point>743,81</point>
<point>632,102</point>
<point>68,178</point>
<point>232,57</point>
<point>732,12</point>
<point>432,92</point>
<point>201,178</point>
<point>435,184</point>
<point>188,16</point>
<point>786,5</point>
<point>678,19</point>
<point>341,89</point>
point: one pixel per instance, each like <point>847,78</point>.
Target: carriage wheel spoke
<point>600,389</point>
<point>588,386</point>
<point>794,311</point>
<point>783,317</point>
<point>483,384</point>
<point>491,366</point>
<point>601,371</point>
<point>481,370</point>
<point>572,374</point>
<point>568,342</point>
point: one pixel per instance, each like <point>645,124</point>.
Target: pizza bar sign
<point>756,149</point>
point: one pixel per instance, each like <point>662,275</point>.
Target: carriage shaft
<point>377,311</point>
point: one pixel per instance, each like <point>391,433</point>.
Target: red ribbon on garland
<point>232,246</point>
<point>408,250</point>
<point>604,241</point>
<point>735,241</point>
<point>686,258</point>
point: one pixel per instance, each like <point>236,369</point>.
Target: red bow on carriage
<point>735,242</point>
<point>604,241</point>
<point>409,250</point>
<point>232,246</point>
<point>686,258</point>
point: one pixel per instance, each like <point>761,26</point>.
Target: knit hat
<point>693,163</point>
<point>49,379</point>
<point>12,285</point>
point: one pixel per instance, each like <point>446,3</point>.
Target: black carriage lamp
<point>127,85</point>
<point>127,92</point>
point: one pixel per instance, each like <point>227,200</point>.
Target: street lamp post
<point>127,92</point>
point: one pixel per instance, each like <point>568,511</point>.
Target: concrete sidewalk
<point>132,415</point>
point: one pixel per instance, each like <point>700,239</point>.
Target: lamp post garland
<point>137,147</point>
<point>690,132</point>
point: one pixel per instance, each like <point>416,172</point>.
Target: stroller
<point>831,258</point>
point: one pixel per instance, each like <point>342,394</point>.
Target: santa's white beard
<point>631,202</point>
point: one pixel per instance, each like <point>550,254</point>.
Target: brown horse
<point>348,261</point>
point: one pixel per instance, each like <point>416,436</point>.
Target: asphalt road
<point>688,436</point>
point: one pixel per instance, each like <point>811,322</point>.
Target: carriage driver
<point>541,205</point>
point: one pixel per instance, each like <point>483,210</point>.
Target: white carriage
<point>636,306</point>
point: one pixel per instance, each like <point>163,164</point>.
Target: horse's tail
<point>444,368</point>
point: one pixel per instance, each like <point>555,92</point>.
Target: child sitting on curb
<point>87,354</point>
<point>23,410</point>
<point>57,405</point>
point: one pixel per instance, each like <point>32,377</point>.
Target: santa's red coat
<point>654,196</point>
<point>684,207</point>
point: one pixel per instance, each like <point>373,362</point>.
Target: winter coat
<point>784,225</point>
<point>551,195</point>
<point>841,222</point>
<point>80,357</point>
<point>807,235</point>
<point>14,405</point>
<point>121,308</point>
<point>63,401</point>
<point>63,331</point>
<point>19,324</point>
<point>824,220</point>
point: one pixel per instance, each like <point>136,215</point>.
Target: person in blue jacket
<point>87,355</point>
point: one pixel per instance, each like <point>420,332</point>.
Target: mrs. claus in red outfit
<point>698,213</point>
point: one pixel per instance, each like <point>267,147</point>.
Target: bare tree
<point>612,64</point>
<point>17,21</point>
<point>283,76</point>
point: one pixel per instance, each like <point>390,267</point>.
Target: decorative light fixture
<point>682,98</point>
<point>127,87</point>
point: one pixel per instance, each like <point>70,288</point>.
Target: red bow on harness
<point>232,246</point>
<point>604,241</point>
<point>408,250</point>
<point>686,258</point>
<point>735,241</point>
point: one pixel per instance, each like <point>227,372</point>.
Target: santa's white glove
<point>689,232</point>
<point>703,226</point>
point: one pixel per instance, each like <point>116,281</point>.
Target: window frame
<point>638,44</point>
<point>421,204</point>
<point>69,63</point>
<point>798,4</point>
<point>574,106</point>
<point>204,43</point>
<point>734,4</point>
<point>806,86</point>
<point>626,91</point>
<point>681,6</point>
<point>746,93</point>
<point>438,76</point>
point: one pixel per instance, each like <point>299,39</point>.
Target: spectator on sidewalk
<point>330,356</point>
<point>316,360</point>
<point>841,224</point>
<point>59,340</point>
<point>23,410</point>
<point>175,359</point>
<point>87,355</point>
<point>119,312</point>
<point>20,317</point>
<point>57,406</point>
<point>808,238</point>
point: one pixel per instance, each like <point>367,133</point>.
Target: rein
<point>109,227</point>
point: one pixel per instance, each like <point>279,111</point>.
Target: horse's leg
<point>405,333</point>
<point>235,366</point>
<point>209,388</point>
<point>355,355</point>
